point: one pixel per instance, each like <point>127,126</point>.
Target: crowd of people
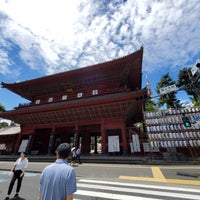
<point>57,181</point>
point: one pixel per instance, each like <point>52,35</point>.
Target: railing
<point>73,96</point>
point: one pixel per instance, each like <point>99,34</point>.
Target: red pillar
<point>76,136</point>
<point>16,147</point>
<point>51,148</point>
<point>124,138</point>
<point>85,148</point>
<point>103,137</point>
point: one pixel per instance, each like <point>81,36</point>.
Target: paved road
<point>105,181</point>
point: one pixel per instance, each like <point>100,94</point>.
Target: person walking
<point>58,180</point>
<point>78,155</point>
<point>18,171</point>
<point>73,156</point>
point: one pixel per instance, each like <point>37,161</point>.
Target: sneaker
<point>16,195</point>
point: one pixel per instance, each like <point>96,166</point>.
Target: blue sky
<point>42,37</point>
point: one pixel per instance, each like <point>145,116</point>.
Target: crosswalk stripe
<point>108,188</point>
<point>3,180</point>
<point>111,196</point>
<point>141,191</point>
<point>141,185</point>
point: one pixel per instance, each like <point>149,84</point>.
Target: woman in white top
<point>18,171</point>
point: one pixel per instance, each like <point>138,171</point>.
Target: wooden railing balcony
<point>73,96</point>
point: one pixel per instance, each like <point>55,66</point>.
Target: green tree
<point>3,124</point>
<point>195,103</point>
<point>2,108</point>
<point>189,83</point>
<point>170,98</point>
<point>150,105</point>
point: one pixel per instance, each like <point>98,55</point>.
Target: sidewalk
<point>34,167</point>
<point>37,163</point>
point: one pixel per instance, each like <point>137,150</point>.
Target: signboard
<point>135,145</point>
<point>168,89</point>
<point>195,68</point>
<point>197,120</point>
<point>196,117</point>
<point>113,143</point>
<point>2,146</point>
<point>23,146</point>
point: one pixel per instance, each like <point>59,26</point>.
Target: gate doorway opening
<point>95,144</point>
<point>41,141</point>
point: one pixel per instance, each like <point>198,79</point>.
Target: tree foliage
<point>2,108</point>
<point>189,83</point>
<point>195,103</point>
<point>170,98</point>
<point>3,124</point>
<point>150,105</point>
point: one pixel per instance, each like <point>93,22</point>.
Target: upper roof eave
<point>20,88</point>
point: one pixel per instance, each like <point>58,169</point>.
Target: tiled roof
<point>125,70</point>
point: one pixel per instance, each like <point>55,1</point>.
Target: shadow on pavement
<point>17,198</point>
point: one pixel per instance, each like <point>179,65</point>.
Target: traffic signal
<point>186,121</point>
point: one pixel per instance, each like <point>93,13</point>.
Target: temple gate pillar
<point>16,147</point>
<point>85,148</point>
<point>103,138</point>
<point>31,142</point>
<point>124,138</point>
<point>76,136</point>
<point>51,141</point>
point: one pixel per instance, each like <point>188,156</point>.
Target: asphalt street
<point>114,181</point>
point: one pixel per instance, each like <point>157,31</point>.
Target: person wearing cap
<point>58,180</point>
<point>18,171</point>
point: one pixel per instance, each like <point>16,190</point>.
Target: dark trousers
<point>78,157</point>
<point>16,176</point>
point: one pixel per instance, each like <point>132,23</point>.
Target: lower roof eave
<point>95,108</point>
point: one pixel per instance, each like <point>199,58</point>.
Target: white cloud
<point>54,36</point>
<point>4,62</point>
